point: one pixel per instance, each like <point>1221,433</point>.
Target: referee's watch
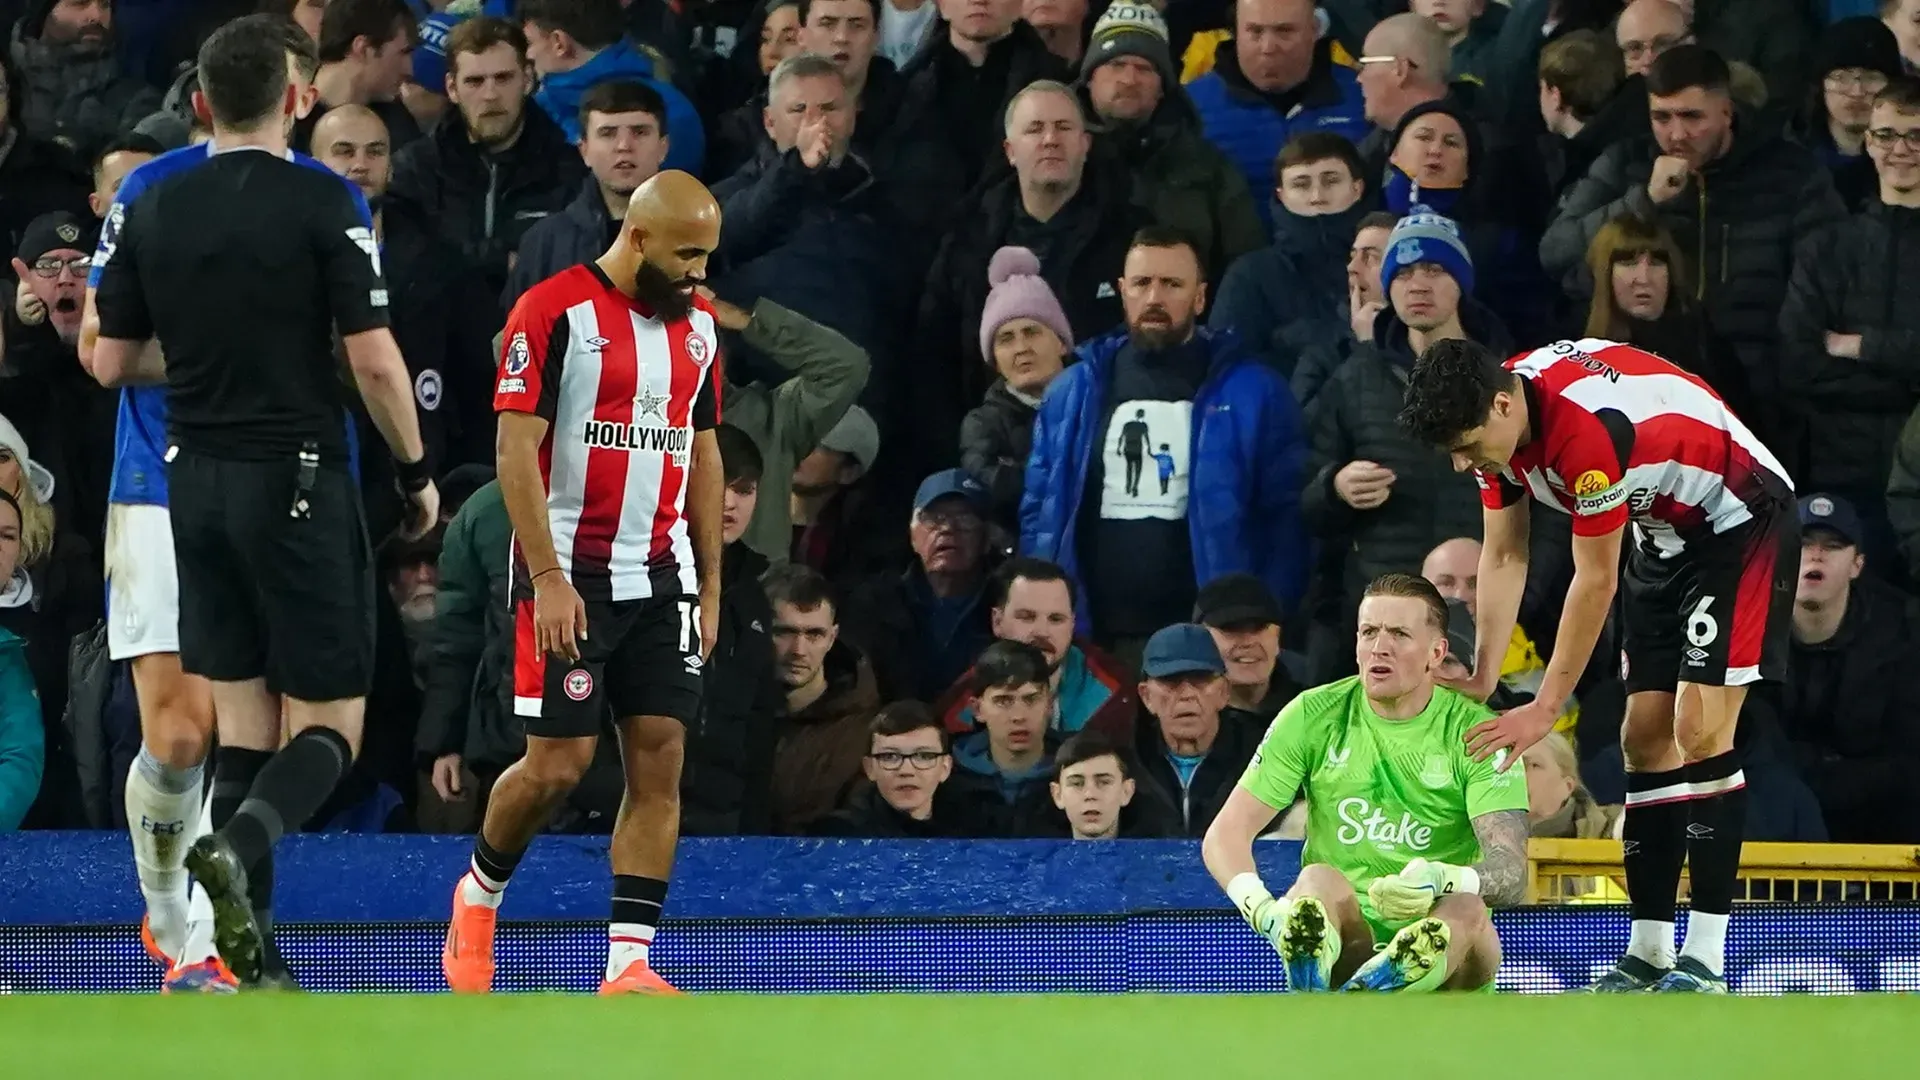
<point>414,476</point>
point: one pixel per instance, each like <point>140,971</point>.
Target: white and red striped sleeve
<point>533,350</point>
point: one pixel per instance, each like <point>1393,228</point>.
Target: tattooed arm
<point>1503,857</point>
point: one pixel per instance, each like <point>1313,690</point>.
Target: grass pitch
<point>979,1037</point>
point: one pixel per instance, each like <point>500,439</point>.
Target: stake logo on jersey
<point>1379,792</point>
<point>1642,439</point>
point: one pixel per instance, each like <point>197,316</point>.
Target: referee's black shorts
<point>264,593</point>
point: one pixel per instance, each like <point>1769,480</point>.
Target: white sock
<point>626,943</point>
<point>478,888</point>
<point>1707,940</point>
<point>199,945</point>
<point>163,808</point>
<point>1652,941</point>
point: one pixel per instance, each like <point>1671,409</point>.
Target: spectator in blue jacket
<point>23,750</point>
<point>1292,297</point>
<point>1274,78</point>
<point>1093,501</point>
<point>575,45</point>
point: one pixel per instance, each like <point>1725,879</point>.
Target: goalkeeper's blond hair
<point>1412,588</point>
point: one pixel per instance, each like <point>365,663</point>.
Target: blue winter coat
<point>1249,445</point>
<point>560,95</point>
<point>1250,127</point>
<point>23,738</point>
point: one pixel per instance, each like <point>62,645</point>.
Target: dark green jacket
<point>471,647</point>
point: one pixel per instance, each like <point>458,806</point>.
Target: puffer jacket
<point>1182,181</point>
<point>784,223</point>
<point>1737,225</point>
<point>1290,298</point>
<point>1356,418</point>
<point>1243,511</point>
<point>483,204</point>
<point>1854,277</point>
<point>996,438</point>
<point>1250,127</point>
<point>74,95</point>
<point>470,648</point>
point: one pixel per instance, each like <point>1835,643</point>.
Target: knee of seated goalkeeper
<point>1327,885</point>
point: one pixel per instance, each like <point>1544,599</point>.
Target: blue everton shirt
<point>140,438</point>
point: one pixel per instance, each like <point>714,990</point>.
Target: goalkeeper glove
<point>1412,892</point>
<point>1258,906</point>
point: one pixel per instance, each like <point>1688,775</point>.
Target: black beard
<point>1157,339</point>
<point>654,288</point>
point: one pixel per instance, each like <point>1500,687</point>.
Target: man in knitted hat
<point>1148,125</point>
<point>1852,64</point>
<point>1382,495</point>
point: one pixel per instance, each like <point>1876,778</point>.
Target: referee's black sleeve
<point>121,300</point>
<point>350,261</point>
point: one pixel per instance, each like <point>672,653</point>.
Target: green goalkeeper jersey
<point>1381,793</point>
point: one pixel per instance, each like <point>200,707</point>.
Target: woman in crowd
<point>1026,340</point>
<point>22,732</point>
<point>739,131</point>
<point>1640,296</point>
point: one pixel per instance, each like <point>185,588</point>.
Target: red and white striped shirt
<point>1619,434</point>
<point>623,392</point>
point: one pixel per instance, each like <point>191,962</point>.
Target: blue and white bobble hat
<point>1424,236</point>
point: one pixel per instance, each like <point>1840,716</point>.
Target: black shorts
<point>265,593</point>
<point>640,658</point>
<point>1719,613</point>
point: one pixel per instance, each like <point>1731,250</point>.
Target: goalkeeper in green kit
<point>1409,840</point>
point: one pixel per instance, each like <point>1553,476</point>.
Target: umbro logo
<point>597,343</point>
<point>1697,831</point>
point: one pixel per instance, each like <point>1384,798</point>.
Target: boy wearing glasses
<point>907,761</point>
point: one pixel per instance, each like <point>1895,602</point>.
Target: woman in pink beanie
<point>1024,337</point>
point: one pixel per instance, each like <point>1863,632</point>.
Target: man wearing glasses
<point>1852,64</point>
<point>62,413</point>
<point>1847,352</point>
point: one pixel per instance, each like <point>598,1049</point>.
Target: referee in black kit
<point>242,265</point>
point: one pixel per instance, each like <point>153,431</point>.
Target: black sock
<point>1718,825</point>
<point>638,899</point>
<point>288,791</point>
<point>1655,841</point>
<point>234,771</point>
<point>496,865</point>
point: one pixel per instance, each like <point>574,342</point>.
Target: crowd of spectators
<point>1063,347</point>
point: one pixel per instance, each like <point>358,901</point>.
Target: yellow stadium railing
<point>1590,872</point>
